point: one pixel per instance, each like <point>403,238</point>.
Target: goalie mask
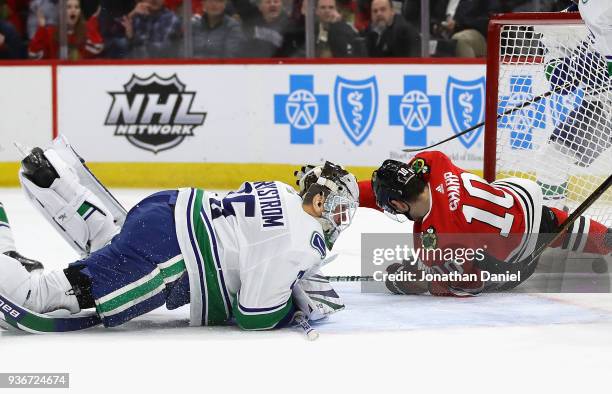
<point>341,196</point>
<point>395,180</point>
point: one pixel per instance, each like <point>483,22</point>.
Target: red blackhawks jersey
<point>45,43</point>
<point>468,212</point>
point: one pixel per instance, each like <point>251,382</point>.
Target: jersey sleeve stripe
<point>253,311</point>
<point>217,310</point>
<point>261,321</point>
<point>215,249</point>
<point>198,257</point>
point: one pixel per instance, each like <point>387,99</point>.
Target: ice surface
<point>502,343</point>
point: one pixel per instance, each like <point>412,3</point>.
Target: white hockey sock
<point>51,291</point>
<point>37,291</point>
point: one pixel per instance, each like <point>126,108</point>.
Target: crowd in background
<point>249,28</point>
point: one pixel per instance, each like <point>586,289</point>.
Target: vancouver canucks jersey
<point>597,16</point>
<point>244,252</point>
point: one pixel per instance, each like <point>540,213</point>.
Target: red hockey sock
<point>584,235</point>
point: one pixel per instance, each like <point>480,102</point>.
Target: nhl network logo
<point>154,113</point>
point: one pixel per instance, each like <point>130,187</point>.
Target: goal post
<point>562,141</point>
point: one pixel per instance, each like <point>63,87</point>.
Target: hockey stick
<point>601,189</point>
<point>349,278</point>
<point>510,111</point>
<point>14,316</point>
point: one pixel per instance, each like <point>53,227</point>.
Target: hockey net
<point>562,141</point>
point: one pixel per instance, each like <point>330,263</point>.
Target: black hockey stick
<point>601,189</point>
<point>349,278</point>
<point>510,111</point>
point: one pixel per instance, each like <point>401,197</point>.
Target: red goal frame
<point>493,63</point>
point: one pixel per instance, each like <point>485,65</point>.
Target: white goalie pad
<point>316,297</point>
<point>76,204</point>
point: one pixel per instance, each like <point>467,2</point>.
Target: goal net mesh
<point>564,140</point>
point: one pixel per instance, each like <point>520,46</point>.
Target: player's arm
<point>367,199</point>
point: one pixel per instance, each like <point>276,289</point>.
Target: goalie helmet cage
<point>562,141</point>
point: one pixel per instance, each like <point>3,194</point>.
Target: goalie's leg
<point>78,214</point>
<point>140,270</point>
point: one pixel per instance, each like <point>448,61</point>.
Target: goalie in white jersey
<point>236,257</point>
<point>586,133</point>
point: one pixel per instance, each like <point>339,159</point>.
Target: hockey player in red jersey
<point>453,208</point>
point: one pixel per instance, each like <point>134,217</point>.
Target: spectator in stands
<point>11,44</point>
<point>272,33</point>
<point>48,9</point>
<point>216,34</point>
<point>152,30</point>
<point>389,35</point>
<point>84,39</point>
<point>466,22</point>
<point>440,40</point>
<point>116,44</point>
<point>335,37</point>
<point>531,5</point>
<point>14,13</point>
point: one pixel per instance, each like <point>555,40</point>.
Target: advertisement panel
<point>355,114</point>
<point>26,109</point>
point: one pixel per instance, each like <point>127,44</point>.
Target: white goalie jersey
<point>597,16</point>
<point>245,251</point>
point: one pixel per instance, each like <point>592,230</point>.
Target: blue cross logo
<point>415,110</point>
<point>522,122</point>
<point>301,109</point>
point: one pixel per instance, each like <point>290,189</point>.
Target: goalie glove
<point>316,298</point>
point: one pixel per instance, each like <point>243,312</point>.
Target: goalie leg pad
<point>79,215</point>
<point>86,178</point>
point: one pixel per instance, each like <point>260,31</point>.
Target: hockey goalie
<point>250,257</point>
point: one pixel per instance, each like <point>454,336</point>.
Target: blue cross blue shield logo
<point>465,106</point>
<point>415,110</point>
<point>302,109</point>
<point>356,104</point>
<point>522,122</point>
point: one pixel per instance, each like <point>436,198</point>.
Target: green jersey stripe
<point>173,271</point>
<point>131,303</point>
<point>141,292</point>
<point>261,321</point>
<point>215,308</point>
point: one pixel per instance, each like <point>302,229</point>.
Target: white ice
<point>504,343</point>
